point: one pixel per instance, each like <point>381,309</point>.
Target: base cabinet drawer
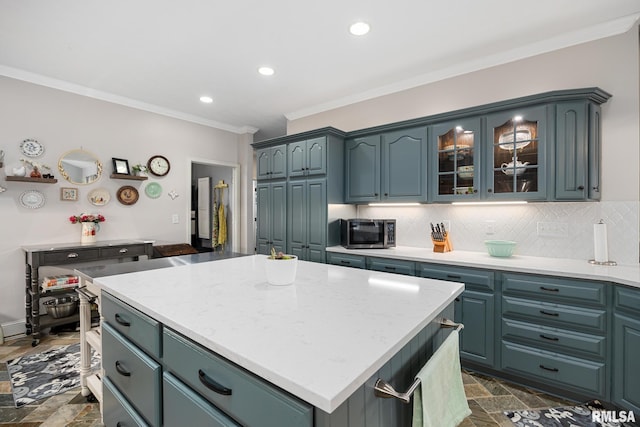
<point>136,375</point>
<point>555,314</point>
<point>238,393</point>
<point>346,260</point>
<point>554,288</point>
<point>582,376</point>
<point>117,411</point>
<point>555,339</point>
<point>392,266</point>
<point>134,325</point>
<point>178,400</point>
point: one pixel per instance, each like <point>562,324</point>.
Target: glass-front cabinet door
<point>456,160</point>
<point>516,143</point>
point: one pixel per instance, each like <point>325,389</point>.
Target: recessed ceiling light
<point>206,99</point>
<point>266,71</point>
<point>359,28</point>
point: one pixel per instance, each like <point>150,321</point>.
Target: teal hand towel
<point>439,400</point>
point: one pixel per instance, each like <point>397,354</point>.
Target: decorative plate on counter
<point>32,199</point>
<point>153,190</point>
<point>127,195</point>
<point>31,148</point>
<point>99,196</point>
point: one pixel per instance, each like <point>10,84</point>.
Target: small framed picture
<point>69,194</point>
<point>120,166</point>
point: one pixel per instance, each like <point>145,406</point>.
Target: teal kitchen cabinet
<point>455,161</point>
<point>555,332</point>
<point>475,308</point>
<point>271,162</point>
<point>578,134</point>
<point>626,349</point>
<point>362,179</point>
<point>346,260</point>
<point>388,167</point>
<point>516,154</point>
<point>307,219</point>
<point>271,230</point>
<point>307,157</point>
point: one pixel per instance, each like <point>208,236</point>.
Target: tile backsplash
<point>559,230</point>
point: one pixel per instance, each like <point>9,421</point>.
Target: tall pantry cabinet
<point>293,213</point>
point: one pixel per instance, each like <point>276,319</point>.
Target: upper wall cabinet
<point>389,167</point>
<point>456,160</point>
<point>271,162</point>
<point>308,157</point>
<point>516,154</point>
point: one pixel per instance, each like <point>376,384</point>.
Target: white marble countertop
<point>622,274</point>
<point>319,339</point>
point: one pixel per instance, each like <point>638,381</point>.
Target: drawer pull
<point>549,338</point>
<point>546,313</point>
<point>549,369</point>
<point>388,267</point>
<point>122,321</point>
<point>121,370</point>
<point>549,289</point>
<point>453,276</point>
<point>123,250</point>
<point>73,255</point>
<point>213,385</point>
<point>345,262</point>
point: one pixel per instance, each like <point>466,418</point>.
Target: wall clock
<point>158,165</point>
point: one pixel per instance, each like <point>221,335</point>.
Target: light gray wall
<point>63,121</point>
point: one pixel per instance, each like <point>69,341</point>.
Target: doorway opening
<point>214,206</point>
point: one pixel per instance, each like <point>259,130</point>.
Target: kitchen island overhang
<point>319,339</point>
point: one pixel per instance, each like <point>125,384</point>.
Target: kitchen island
<point>317,345</point>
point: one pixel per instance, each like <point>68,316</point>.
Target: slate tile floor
<point>487,397</point>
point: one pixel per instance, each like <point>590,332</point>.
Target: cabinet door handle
<point>458,300</point>
<point>121,321</point>
<point>549,289</point>
<point>489,190</point>
<point>124,250</point>
<point>73,255</point>
<point>121,370</point>
<point>549,338</point>
<point>546,313</point>
<point>213,385</point>
<point>580,187</point>
<point>549,369</point>
<point>375,194</point>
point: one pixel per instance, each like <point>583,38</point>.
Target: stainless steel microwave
<point>368,233</point>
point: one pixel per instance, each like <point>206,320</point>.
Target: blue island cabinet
<point>156,376</point>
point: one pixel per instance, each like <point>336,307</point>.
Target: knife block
<point>442,245</point>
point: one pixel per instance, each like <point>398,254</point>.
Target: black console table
<point>69,254</point>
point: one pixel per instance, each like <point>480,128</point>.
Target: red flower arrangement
<point>87,218</point>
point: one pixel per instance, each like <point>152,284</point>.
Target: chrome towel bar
<point>386,390</point>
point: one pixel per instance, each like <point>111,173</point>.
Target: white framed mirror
<point>80,167</point>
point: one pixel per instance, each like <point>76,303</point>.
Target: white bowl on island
<point>281,269</point>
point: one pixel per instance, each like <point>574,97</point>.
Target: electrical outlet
<point>553,229</point>
<point>175,219</point>
<point>490,227</point>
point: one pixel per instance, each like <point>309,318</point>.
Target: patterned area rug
<point>54,371</point>
<point>591,414</point>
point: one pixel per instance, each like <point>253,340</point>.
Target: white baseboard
<point>13,330</point>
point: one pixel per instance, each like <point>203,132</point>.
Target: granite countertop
<point>581,269</point>
<point>319,339</point>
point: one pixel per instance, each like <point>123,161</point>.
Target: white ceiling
<point>162,55</point>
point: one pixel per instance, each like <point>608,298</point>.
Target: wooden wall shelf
<point>130,177</point>
<point>29,179</point>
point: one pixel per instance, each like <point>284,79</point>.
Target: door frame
<point>234,198</point>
